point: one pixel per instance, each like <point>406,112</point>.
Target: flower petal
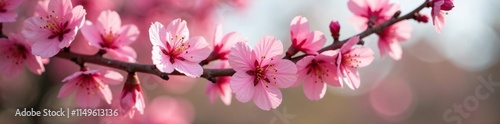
<point>358,7</point>
<point>190,69</point>
<point>105,93</point>
<point>112,77</point>
<point>315,41</point>
<point>161,61</point>
<point>242,85</point>
<point>267,97</point>
<point>45,48</point>
<point>284,74</point>
<point>229,40</point>
<point>157,34</point>
<point>128,34</point>
<point>125,53</point>
<point>350,43</point>
<point>34,64</point>
<point>241,57</point>
<point>365,55</point>
<point>90,32</point>
<point>67,89</point>
<point>197,51</point>
<point>299,28</point>
<point>109,21</point>
<point>8,16</point>
<point>86,100</point>
<point>314,90</point>
<point>178,27</point>
<point>267,48</point>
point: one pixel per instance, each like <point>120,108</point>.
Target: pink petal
<point>157,34</point>
<point>125,53</point>
<point>60,7</point>
<point>403,31</point>
<point>350,76</point>
<point>315,41</point>
<point>365,55</point>
<point>226,92</point>
<point>34,64</point>
<point>267,47</point>
<point>67,89</point>
<point>242,85</point>
<point>139,104</point>
<point>211,91</point>
<point>72,76</point>
<point>241,58</point>
<point>229,40</point>
<point>350,43</point>
<point>358,7</point>
<point>41,8</point>
<point>85,100</point>
<point>314,91</point>
<point>377,4</point>
<point>129,33</point>
<point>438,21</point>
<point>178,28</point>
<point>161,61</point>
<point>112,77</point>
<point>267,97</point>
<point>45,48</point>
<point>110,21</point>
<point>218,35</point>
<point>12,4</point>
<point>395,50</point>
<point>32,32</point>
<point>90,32</point>
<point>11,69</point>
<point>285,74</point>
<point>105,93</point>
<point>361,23</point>
<point>9,16</point>
<point>190,69</point>
<point>78,17</point>
<point>299,28</point>
<point>302,69</point>
<point>197,51</point>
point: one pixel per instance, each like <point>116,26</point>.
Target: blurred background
<point>438,72</point>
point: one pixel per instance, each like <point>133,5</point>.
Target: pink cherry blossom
<point>302,39</point>
<point>108,34</point>
<point>348,59</point>
<point>335,29</point>
<point>370,12</point>
<point>132,97</point>
<point>437,12</point>
<point>16,52</point>
<point>260,72</point>
<point>54,27</point>
<point>7,13</point>
<point>221,87</point>
<point>173,49</point>
<point>222,43</point>
<point>90,86</point>
<point>390,37</point>
<point>316,72</point>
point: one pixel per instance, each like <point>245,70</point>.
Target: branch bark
<point>210,74</point>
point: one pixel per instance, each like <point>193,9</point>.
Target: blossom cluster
<point>260,71</point>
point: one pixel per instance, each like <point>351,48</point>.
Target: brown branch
<point>210,74</point>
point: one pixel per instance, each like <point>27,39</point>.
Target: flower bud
<point>335,29</point>
<point>447,5</point>
<point>422,18</point>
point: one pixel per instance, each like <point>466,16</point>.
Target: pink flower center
<point>108,40</point>
<point>318,69</point>
<point>89,82</point>
<point>56,25</point>
<point>17,52</point>
<point>175,50</point>
<point>351,60</point>
<point>260,73</point>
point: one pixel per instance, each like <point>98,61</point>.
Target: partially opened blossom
<point>222,43</point>
<point>316,72</point>
<point>221,87</point>
<point>348,59</point>
<point>90,86</point>
<point>390,37</point>
<point>108,34</point>
<point>304,40</point>
<point>15,53</point>
<point>371,12</point>
<point>132,97</point>
<point>54,27</point>
<point>437,13</point>
<point>7,13</point>
<point>260,72</point>
<point>173,49</point>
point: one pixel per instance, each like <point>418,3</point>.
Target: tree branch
<point>210,74</point>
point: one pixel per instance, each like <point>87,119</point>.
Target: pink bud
<point>335,29</point>
<point>422,18</point>
<point>447,5</point>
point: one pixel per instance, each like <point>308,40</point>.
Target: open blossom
<point>15,52</point>
<point>260,72</point>
<point>6,10</point>
<point>304,40</point>
<point>390,37</point>
<point>132,97</point>
<point>173,49</point>
<point>371,12</point>
<point>109,34</point>
<point>221,86</point>
<point>437,12</point>
<point>222,43</point>
<point>90,86</point>
<point>54,27</point>
<point>348,59</point>
<point>316,72</point>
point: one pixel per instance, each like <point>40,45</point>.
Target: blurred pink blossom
<point>221,87</point>
<point>90,86</point>
<point>222,43</point>
<point>437,14</point>
<point>54,27</point>
<point>370,11</point>
<point>132,97</point>
<point>16,52</point>
<point>260,72</point>
<point>302,39</point>
<point>6,10</point>
<point>390,37</point>
<point>173,49</point>
<point>108,34</point>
